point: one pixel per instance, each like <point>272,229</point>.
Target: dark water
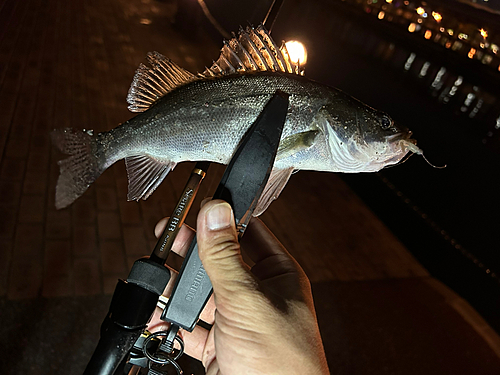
<point>434,85</point>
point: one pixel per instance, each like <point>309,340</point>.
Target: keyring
<point>178,368</point>
<point>167,359</point>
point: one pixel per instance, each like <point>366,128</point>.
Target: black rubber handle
<point>192,292</point>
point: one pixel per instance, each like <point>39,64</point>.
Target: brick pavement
<point>70,64</point>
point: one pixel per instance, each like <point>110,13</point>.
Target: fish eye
<point>385,122</point>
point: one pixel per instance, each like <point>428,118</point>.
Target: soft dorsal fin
<point>150,84</point>
<point>252,50</point>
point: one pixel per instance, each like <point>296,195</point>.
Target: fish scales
<point>206,119</point>
<point>193,118</point>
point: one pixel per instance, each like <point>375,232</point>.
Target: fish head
<point>363,139</point>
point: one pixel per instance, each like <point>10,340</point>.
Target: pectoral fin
<point>145,173</point>
<point>295,143</point>
<point>275,184</point>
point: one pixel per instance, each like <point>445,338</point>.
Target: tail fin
<point>79,170</point>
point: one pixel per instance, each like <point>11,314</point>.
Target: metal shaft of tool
<point>174,224</point>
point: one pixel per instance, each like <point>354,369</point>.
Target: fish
<point>202,117</point>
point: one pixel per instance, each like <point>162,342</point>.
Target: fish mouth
<point>401,136</point>
<point>399,144</point>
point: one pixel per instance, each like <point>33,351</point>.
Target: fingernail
<point>219,216</point>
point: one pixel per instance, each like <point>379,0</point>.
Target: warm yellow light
<point>428,34</point>
<point>297,52</point>
<point>472,52</point>
<point>388,1</point>
<point>412,27</point>
<point>381,15</point>
<point>438,17</point>
<point>484,33</point>
<point>420,10</point>
<point>450,32</point>
<point>494,48</point>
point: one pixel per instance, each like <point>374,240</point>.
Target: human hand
<point>263,317</point>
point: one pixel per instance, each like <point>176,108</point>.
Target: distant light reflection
<point>438,17</point>
<point>425,68</point>
<point>381,15</point>
<point>484,33</point>
<point>410,60</point>
<point>428,34</point>
<point>420,11</point>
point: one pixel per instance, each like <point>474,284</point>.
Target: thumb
<point>219,248</point>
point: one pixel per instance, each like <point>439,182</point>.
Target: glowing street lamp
<point>297,52</point>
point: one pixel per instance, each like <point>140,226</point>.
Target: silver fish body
<point>205,120</point>
<point>192,118</point>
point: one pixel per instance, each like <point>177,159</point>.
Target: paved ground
<point>69,64</point>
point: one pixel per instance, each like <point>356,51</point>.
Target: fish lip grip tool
<point>241,186</point>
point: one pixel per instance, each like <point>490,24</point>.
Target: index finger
<point>260,243</point>
<point>266,251</point>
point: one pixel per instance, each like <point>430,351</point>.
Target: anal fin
<point>275,184</point>
<point>145,173</point>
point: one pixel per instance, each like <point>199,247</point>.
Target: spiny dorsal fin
<point>150,84</point>
<point>252,50</point>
